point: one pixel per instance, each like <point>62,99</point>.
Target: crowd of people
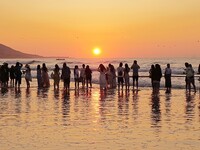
<point>109,76</point>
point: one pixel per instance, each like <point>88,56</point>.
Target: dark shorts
<point>120,80</point>
<point>135,78</point>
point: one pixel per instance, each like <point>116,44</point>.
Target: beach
<point>94,119</point>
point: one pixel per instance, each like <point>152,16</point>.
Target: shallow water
<point>94,119</point>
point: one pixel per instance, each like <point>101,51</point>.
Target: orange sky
<point>120,28</point>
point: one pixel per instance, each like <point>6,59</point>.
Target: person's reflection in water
<point>27,92</point>
<point>76,93</point>
<point>56,93</point>
<point>135,104</point>
<point>18,105</point>
<point>168,106</point>
<point>17,92</point>
<point>4,90</point>
<point>65,94</point>
<point>28,100</point>
<point>120,93</point>
<point>189,108</point>
<point>102,105</point>
<point>155,110</point>
<point>66,108</point>
<point>88,92</point>
<point>45,92</point>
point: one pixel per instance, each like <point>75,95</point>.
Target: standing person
<point>76,76</point>
<point>135,68</point>
<point>150,75</point>
<point>110,76</point>
<point>39,76</point>
<point>12,75</point>
<point>191,78</point>
<point>4,75</point>
<point>126,76</point>
<point>56,76</point>
<point>186,79</point>
<point>6,70</point>
<point>168,73</point>
<point>102,77</point>
<point>88,73</point>
<point>28,76</point>
<point>65,76</point>
<point>156,77</point>
<point>18,74</point>
<point>113,71</point>
<point>82,75</point>
<point>120,73</point>
<point>45,76</point>
<point>199,71</point>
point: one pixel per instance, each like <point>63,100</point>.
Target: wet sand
<point>93,119</point>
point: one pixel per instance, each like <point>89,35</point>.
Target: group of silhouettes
<point>109,76</point>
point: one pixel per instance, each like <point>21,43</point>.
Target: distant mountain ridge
<point>7,52</point>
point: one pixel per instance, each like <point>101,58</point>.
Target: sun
<point>96,51</point>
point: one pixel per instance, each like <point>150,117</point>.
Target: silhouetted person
<point>76,76</point>
<point>45,76</point>
<point>18,74</point>
<point>126,76</point>
<point>12,75</point>
<point>199,69</point>
<point>82,75</point>
<point>39,76</point>
<point>102,77</point>
<point>28,76</point>
<point>168,73</point>
<point>150,74</point>
<point>135,68</point>
<point>120,73</point>
<point>56,76</point>
<point>65,76</point>
<point>88,74</point>
<point>156,77</point>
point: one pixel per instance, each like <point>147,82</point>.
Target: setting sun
<point>96,51</point>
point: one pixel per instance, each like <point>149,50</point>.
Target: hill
<point>7,52</point>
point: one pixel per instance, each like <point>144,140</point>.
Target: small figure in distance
<point>28,76</point>
<point>192,78</point>
<point>12,76</point>
<point>88,74</point>
<point>65,76</point>
<point>168,73</point>
<point>156,77</point>
<point>102,77</point>
<point>56,76</point>
<point>39,76</point>
<point>126,76</point>
<point>76,77</point>
<point>199,71</point>
<point>45,76</point>
<point>189,77</point>
<point>120,73</point>
<point>135,68</point>
<point>18,74</point>
<point>150,74</point>
<point>82,75</point>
